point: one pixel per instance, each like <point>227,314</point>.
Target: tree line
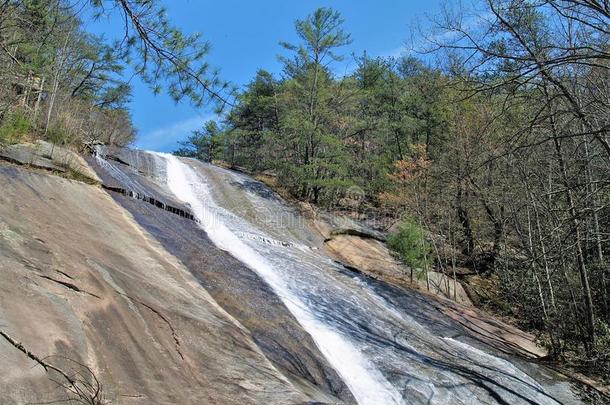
<point>61,83</point>
<point>492,146</point>
<point>58,82</point>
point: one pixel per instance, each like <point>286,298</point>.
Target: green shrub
<point>599,360</point>
<point>14,128</point>
<point>410,245</point>
<point>57,135</point>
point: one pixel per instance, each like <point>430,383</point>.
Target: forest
<point>484,150</point>
<point>57,81</point>
<point>63,84</point>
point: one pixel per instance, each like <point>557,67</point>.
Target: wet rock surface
<point>386,347</point>
<point>233,285</point>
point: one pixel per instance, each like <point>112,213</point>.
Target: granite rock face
<point>238,289</point>
<point>44,155</point>
<point>85,291</point>
<point>364,251</point>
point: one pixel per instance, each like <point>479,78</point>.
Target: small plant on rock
<point>410,245</point>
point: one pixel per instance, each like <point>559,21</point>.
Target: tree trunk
<point>464,219</point>
<point>580,260</point>
<point>38,99</point>
<point>599,250</point>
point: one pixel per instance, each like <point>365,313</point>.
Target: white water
<point>118,175</point>
<point>386,346</point>
<point>365,381</point>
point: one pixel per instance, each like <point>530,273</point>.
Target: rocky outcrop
<point>151,200</point>
<point>90,301</point>
<point>361,248</point>
<point>46,156</point>
<point>363,251</point>
<point>115,297</point>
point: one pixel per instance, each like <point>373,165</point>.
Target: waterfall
<point>117,173</point>
<point>389,346</point>
<point>365,381</point>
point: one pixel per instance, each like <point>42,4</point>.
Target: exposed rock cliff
<point>81,283</point>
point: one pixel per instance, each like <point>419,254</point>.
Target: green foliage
<point>57,135</point>
<point>66,82</point>
<point>14,128</point>
<point>204,144</point>
<point>410,244</point>
<point>321,33</point>
<point>324,134</point>
<point>163,55</point>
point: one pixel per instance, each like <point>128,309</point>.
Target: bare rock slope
<point>89,300</point>
<point>364,250</point>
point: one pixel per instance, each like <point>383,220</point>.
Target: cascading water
<point>367,384</point>
<point>384,355</point>
<point>389,346</point>
<point>115,172</point>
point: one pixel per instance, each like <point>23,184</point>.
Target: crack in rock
<point>64,274</point>
<point>69,285</point>
<point>153,201</point>
<point>34,357</point>
<point>162,317</point>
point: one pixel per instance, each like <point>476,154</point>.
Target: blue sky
<point>244,36</point>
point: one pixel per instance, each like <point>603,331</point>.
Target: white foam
<point>365,381</point>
